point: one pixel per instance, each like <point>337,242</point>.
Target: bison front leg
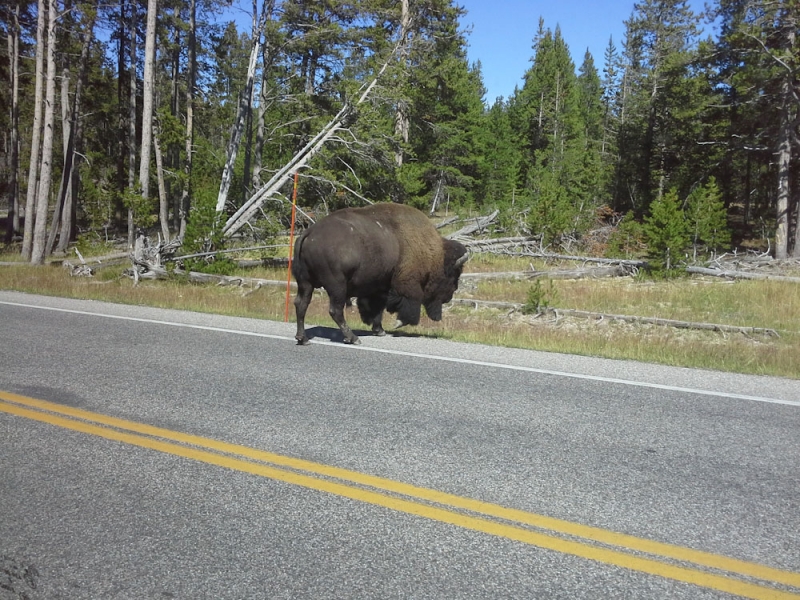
<point>336,310</point>
<point>304,293</point>
<point>371,311</point>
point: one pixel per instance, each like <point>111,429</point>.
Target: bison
<point>388,256</point>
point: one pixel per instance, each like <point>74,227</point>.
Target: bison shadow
<point>334,334</point>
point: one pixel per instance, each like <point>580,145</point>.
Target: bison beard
<point>388,256</point>
<point>407,311</point>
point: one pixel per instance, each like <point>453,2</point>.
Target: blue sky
<point>503,30</point>
<point>502,34</point>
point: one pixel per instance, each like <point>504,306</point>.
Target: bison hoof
<point>353,340</point>
<point>303,341</point>
<point>398,324</point>
<point>379,332</point>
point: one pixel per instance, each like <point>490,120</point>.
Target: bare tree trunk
<point>163,206</point>
<point>132,121</point>
<point>263,99</point>
<point>784,164</point>
<point>190,83</point>
<point>33,171</point>
<point>148,98</point>
<point>46,173</point>
<point>173,152</point>
<point>64,204</point>
<point>13,76</point>
<point>401,120</point>
<point>245,102</point>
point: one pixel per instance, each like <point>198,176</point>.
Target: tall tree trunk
<point>46,173</point>
<point>66,125</point>
<point>13,76</point>
<point>121,112</point>
<point>173,152</point>
<point>132,120</point>
<point>33,171</point>
<point>267,57</point>
<point>245,103</point>
<point>401,119</point>
<point>163,206</point>
<point>190,83</point>
<point>66,201</point>
<point>148,96</point>
<point>784,165</point>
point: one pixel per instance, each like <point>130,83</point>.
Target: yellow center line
<point>442,514</point>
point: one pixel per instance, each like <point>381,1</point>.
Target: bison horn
<point>462,259</point>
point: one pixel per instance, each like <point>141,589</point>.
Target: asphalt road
<point>147,453</point>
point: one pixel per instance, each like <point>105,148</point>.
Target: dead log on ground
<point>448,221</point>
<point>740,274</point>
<point>220,280</point>
<point>568,312</point>
<point>591,273</point>
<point>476,224</point>
<point>528,247</point>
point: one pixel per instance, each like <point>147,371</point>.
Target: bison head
<point>440,288</point>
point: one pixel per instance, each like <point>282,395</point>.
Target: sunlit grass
<point>764,304</point>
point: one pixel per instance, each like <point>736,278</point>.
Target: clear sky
<point>502,33</point>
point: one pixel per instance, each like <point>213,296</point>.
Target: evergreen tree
<point>666,231</point>
<point>658,102</point>
<point>500,159</point>
<point>445,111</point>
<point>595,176</point>
<point>547,114</point>
<point>758,58</point>
<point>707,217</point>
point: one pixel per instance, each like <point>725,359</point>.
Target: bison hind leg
<point>371,310</point>
<point>407,310</point>
<point>336,311</point>
<point>304,293</point>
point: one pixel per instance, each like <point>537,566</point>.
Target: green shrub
<point>540,298</point>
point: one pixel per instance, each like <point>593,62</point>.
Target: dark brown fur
<point>387,255</point>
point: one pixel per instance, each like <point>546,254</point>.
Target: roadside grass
<point>765,304</point>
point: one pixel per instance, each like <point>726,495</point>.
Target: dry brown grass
<point>766,304</point>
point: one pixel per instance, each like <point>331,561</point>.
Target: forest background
<point>154,115</point>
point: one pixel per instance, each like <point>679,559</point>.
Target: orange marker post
<point>291,249</point>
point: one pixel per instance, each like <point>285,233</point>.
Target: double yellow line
<point>749,580</point>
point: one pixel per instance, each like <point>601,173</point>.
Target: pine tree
<point>666,230</point>
<point>707,217</point>
<point>659,41</point>
<point>595,176</point>
<point>758,58</point>
<point>500,158</point>
<point>548,117</point>
<point>445,110</point>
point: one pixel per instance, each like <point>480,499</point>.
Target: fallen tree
<point>476,224</point>
<point>590,273</point>
<point>740,274</point>
<point>568,312</point>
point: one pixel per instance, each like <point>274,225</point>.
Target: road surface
<point>148,453</point>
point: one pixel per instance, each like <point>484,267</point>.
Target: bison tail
<point>299,268</point>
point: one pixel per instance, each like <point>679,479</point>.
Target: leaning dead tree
<point>342,120</point>
<point>245,105</point>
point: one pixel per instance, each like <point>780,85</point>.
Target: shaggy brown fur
<point>388,255</point>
